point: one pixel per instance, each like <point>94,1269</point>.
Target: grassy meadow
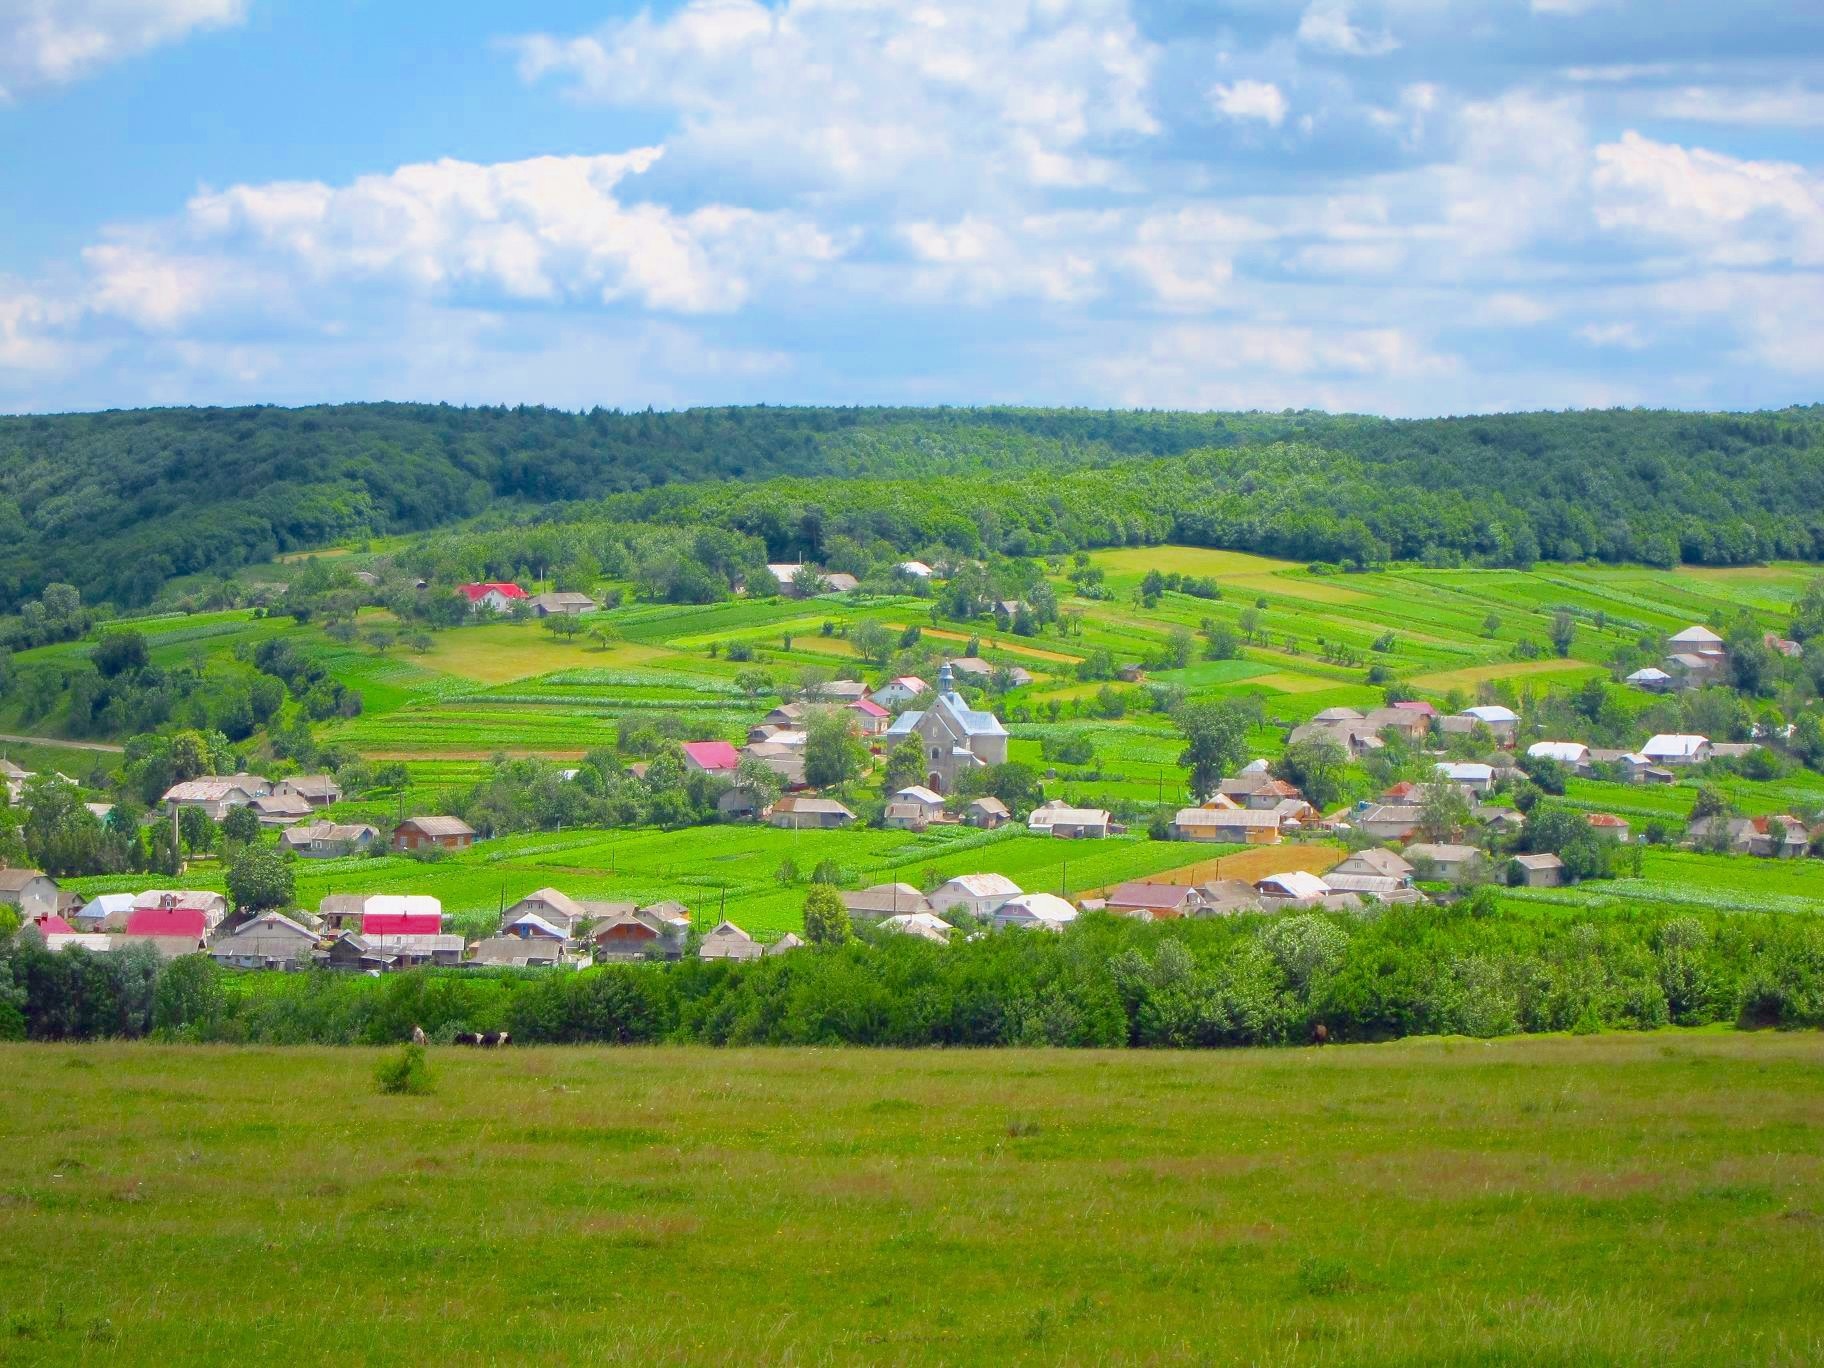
<point>1653,1199</point>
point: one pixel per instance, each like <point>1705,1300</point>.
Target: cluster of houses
<point>501,596</point>
<point>1697,658</point>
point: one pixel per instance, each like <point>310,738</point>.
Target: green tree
<point>833,754</point>
<point>826,918</point>
<point>1318,765</point>
<point>905,765</point>
<point>1215,741</point>
<point>260,879</point>
<point>1443,810</point>
<point>241,826</point>
<point>1564,632</point>
<point>872,641</point>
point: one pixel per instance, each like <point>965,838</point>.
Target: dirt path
<point>103,746</point>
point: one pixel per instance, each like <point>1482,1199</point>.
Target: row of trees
<point>1108,982</point>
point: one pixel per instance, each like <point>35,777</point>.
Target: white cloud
<point>1725,210</point>
<point>1326,25</point>
<point>545,229</point>
<point>1250,100</point>
<point>1791,107</point>
<point>877,95</point>
<point>52,42</point>
<point>1625,335</point>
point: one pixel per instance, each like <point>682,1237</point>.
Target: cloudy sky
<point>1391,206</point>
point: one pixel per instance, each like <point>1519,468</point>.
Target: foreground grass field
<point>1655,1199</point>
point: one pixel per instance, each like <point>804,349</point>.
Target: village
<point>1436,838</point>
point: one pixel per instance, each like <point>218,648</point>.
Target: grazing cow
<point>487,1040</point>
<point>1320,1034</point>
<point>418,1037</point>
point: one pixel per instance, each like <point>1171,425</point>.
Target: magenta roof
<point>473,592</point>
<point>50,924</point>
<point>1414,705</point>
<point>869,707</point>
<point>188,922</point>
<point>402,924</point>
<point>713,755</point>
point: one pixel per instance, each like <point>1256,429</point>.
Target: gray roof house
<point>269,941</point>
<point>953,736</point>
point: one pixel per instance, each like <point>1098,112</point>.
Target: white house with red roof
<point>904,689</point>
<point>870,718</point>
<point>719,758</point>
<point>492,596</point>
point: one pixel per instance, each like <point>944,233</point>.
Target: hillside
<point>119,503</point>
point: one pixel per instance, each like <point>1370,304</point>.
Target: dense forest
<point>118,503</point>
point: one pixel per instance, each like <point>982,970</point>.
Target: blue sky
<point>1393,206</point>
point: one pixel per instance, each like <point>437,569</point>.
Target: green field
<point>1642,1200</point>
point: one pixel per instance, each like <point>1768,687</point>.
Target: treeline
<point>116,504</point>
<point>1108,982</point>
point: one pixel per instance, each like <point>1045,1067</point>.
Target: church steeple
<point>946,679</point>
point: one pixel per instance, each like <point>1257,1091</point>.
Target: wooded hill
<point>118,503</point>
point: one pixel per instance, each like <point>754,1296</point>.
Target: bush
<point>404,1073</point>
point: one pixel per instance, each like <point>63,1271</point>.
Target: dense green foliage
<point>118,503</point>
<point>1109,982</point>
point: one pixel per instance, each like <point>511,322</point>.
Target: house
<point>717,758</point>
<point>518,952</point>
<point>986,813</point>
<point>905,817</point>
<point>1668,749</point>
<point>329,840</point>
<point>439,833</point>
<point>349,952</point>
<point>319,790</point>
<point>1638,769</point>
<point>1697,640</point>
<point>493,596</point>
<point>211,907</point>
<point>784,945</point>
<point>869,717</point>
<point>1502,721</point>
<point>897,692</point>
<point>626,932</point>
<point>786,573</point>
<point>1781,838</point>
<point>556,909</point>
<point>1034,912</point>
<point>1238,788</point>
<point>787,715</point>
<point>1389,821</point>
<point>562,605</point>
<point>841,691</point>
<point>410,951</point>
<point>885,900</point>
<point>920,924</point>
<point>1152,901</point>
<point>795,813</point>
<point>1226,898</point>
<point>1607,824</point>
<point>102,908</point>
<point>1652,679</point>
<point>33,892</point>
<point>953,737</point>
<point>271,940</point>
<point>1573,754</point>
<point>729,942</point>
<point>1293,886</point>
<point>975,668</point>
<point>1377,886</point>
<point>1691,671</point>
<point>1477,779</point>
<point>1413,726</point>
<point>785,760</point>
<point>1374,863</point>
<point>739,804</point>
<point>390,916</point>
<point>916,569</point>
<point>1268,796</point>
<point>216,794</point>
<point>1733,750</point>
<point>1783,646</point>
<point>172,931</point>
<point>1228,826</point>
<point>1498,821</point>
<point>1332,716</point>
<point>1418,706</point>
<point>977,895</point>
<point>281,809</point>
<point>1441,860</point>
<point>840,582</point>
<point>1535,871</point>
<point>14,778</point>
<point>920,796</point>
<point>1068,823</point>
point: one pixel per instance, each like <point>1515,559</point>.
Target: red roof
<point>50,924</point>
<point>188,922</point>
<point>474,593</point>
<point>869,707</point>
<point>1416,706</point>
<point>712,755</point>
<point>402,924</point>
<point>1603,819</point>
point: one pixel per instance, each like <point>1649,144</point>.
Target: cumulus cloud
<point>872,94</point>
<point>51,42</point>
<point>1327,26</point>
<point>1250,100</point>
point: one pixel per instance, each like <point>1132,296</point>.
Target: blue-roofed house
<point>954,737</point>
